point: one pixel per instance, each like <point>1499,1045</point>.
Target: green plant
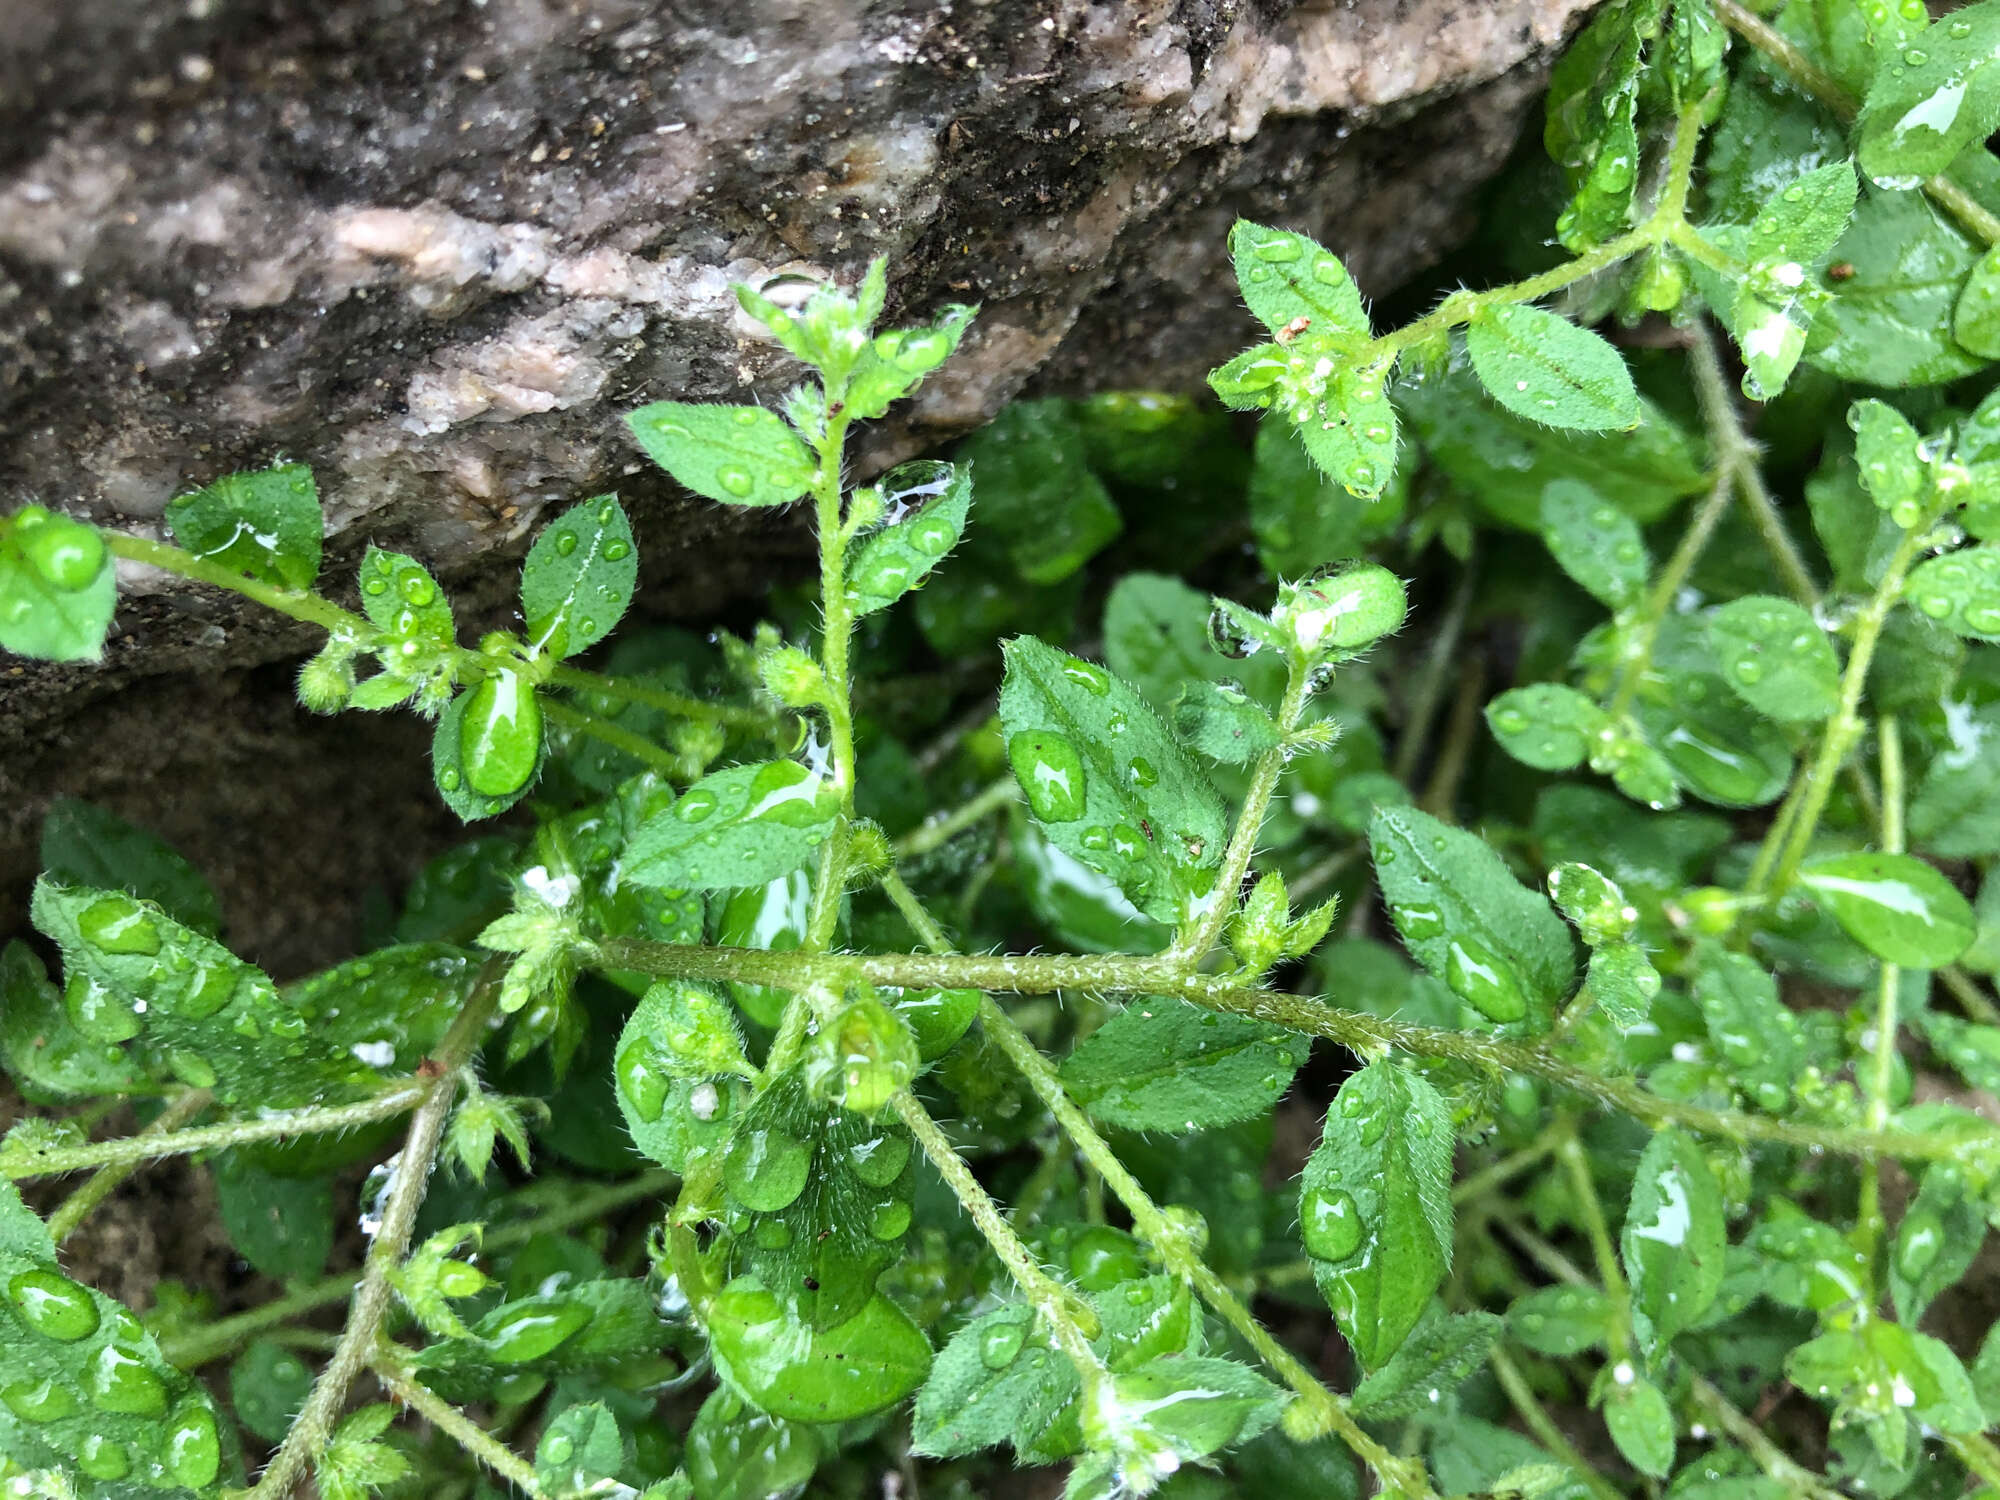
<point>1641,1163</point>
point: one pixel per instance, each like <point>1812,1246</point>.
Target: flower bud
<point>1345,610</point>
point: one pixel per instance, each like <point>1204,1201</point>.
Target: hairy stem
<point>295,604</point>
<point>80,1204</point>
<point>1521,1396</point>
<point>1577,1164</point>
<point>393,1371</point>
<point>1660,598</point>
<point>20,1162</point>
<point>680,705</point>
<point>641,749</point>
<point>316,1419</point>
<point>1879,1080</point>
<point>940,829</point>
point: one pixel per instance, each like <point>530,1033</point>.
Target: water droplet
<point>1484,980</point>
<point>737,481</point>
<point>1093,680</point>
<point>1142,772</point>
<point>1749,670</point>
<point>449,779</point>
<point>38,1400</point>
<point>786,792</point>
<point>1418,921</point>
<point>1096,838</point>
<point>607,513</point>
<point>1510,721</point>
<point>67,555</point>
<point>1328,270</point>
<point>535,1330</point>
<point>771,1234</point>
<point>418,590</point>
<point>1916,57</point>
<point>642,1083</point>
<point>1279,248</point>
<point>1330,1224</point>
<point>766,1169</point>
<point>103,1458</point>
<point>206,992</point>
<point>1050,772</point>
<point>696,806</point>
<point>53,1305</point>
<point>193,1455</point>
<point>121,1384</point>
<point>376,587</point>
<point>500,735</point>
<point>880,1161</point>
<point>889,1221</point>
<point>617,551</point>
<point>118,924</point>
<point>999,1344</point>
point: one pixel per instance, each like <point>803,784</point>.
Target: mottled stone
<point>434,249</point>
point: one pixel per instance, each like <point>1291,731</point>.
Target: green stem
<point>146,1146</point>
<point>1660,599</point>
<point>1428,692</point>
<point>1975,1000</point>
<point>1870,1226</point>
<point>1522,1397</point>
<point>680,705</point>
<point>637,746</point>
<point>293,603</point>
<point>1801,1481</point>
<point>1071,1322</point>
<point>309,1432</point>
<point>1577,1164</point>
<point>1977,1452</point>
<point>393,1371</point>
<point>936,831</point>
<point>1845,727</point>
<point>1503,1171</point>
<point>80,1204</point>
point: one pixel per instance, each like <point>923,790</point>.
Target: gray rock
<point>434,249</point>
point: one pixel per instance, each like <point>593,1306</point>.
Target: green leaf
<point>192,1009</point>
<point>1499,946</point>
<point>927,503</point>
<point>1895,905</point>
<point>744,826</point>
<point>1224,723</point>
<point>794,1371</point>
<point>1882,1370</point>
<point>1960,591</point>
<point>1776,657</point>
<point>996,1381</point>
<point>1594,542</point>
<point>1107,780</point>
<point>87,845</point>
<point>1891,323</point>
<point>1941,96</point>
<point>1546,725</point>
<point>1441,1352</point>
<point>1940,1236</point>
<point>353,1463</point>
<point>1975,321</point>
<point>1750,1025</point>
<point>1641,1423</point>
<point>265,523</point>
<point>399,595</point>
<point>50,1061</point>
<point>282,1225</point>
<point>1504,462</point>
<point>579,577</point>
<point>735,1452</point>
<point>1886,449</point>
<point>503,737</point>
<point>1040,505</point>
<point>1590,130</point>
<point>1375,1206</point>
<point>581,1453</point>
<point>268,1384</point>
<point>738,455</point>
<point>1673,1242</point>
<point>1349,430</point>
<point>1300,518</point>
<point>898,360</point>
<point>673,1117</point>
<point>1547,369</point>
<point>824,1200</point>
<point>84,1386</point>
<point>1193,1405</point>
<point>1804,220</point>
<point>58,588</point>
<point>1561,1321</point>
<point>1157,637</point>
<point>1285,276</point>
<point>1163,1064</point>
<point>573,1326</point>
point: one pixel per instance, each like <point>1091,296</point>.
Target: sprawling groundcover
<point>1100,980</point>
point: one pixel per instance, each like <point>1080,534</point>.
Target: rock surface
<point>434,250</point>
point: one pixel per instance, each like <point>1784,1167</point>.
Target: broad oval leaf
<point>1891,323</point>
<point>1641,1424</point>
<point>1547,369</point>
<point>1499,946</point>
<point>1108,781</point>
<point>1286,276</point>
<point>738,455</point>
<point>1163,1064</point>
<point>450,771</point>
<point>266,524</point>
<point>1674,1240</point>
<point>1776,658</point>
<point>1375,1206</point>
<point>744,826</point>
<point>58,588</point>
<point>995,1382</point>
<point>1975,321</point>
<point>1941,95</point>
<point>791,1370</point>
<point>579,577</point>
<point>1350,432</point>
<point>1960,591</point>
<point>1546,725</point>
<point>1896,906</point>
<point>927,503</point>
<point>1595,542</point>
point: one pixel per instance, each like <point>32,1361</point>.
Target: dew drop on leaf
<point>643,1085</point>
<point>1329,1224</point>
<point>118,924</point>
<point>1050,772</point>
<point>120,1384</point>
<point>766,1169</point>
<point>1484,980</point>
<point>53,1305</point>
<point>103,1458</point>
<point>889,1221</point>
<point>1001,1344</point>
<point>192,1454</point>
<point>38,1400</point>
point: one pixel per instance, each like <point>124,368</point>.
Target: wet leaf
<point>1157,637</point>
<point>1673,1241</point>
<point>736,1452</point>
<point>1546,725</point>
<point>1940,1236</point>
<point>1776,658</point>
<point>1960,591</point>
<point>1107,780</point>
<point>58,588</point>
<point>673,1116</point>
<point>1441,1352</point>
<point>49,1060</point>
<point>1375,1209</point>
<point>1894,905</point>
<point>1975,321</point>
<point>927,501</point>
<point>578,577</point>
<point>1163,1064</point>
<point>87,845</point>
<point>581,1453</point>
<point>1891,323</point>
<point>1285,276</point>
<point>738,455</point>
<point>1348,427</point>
<point>500,733</point>
<point>265,524</point>
<point>744,826</point>
<point>1041,508</point>
<point>85,1388</point>
<point>1499,946</point>
<point>802,1374</point>
<point>1750,1025</point>
<point>996,1381</point>
<point>1590,131</point>
<point>1194,1405</point>
<point>399,595</point>
<point>1641,1423</point>
<point>573,1326</point>
<point>1545,368</point>
<point>1561,1320</point>
<point>1594,542</point>
<point>282,1225</point>
<point>1941,95</point>
<point>268,1383</point>
<point>1224,723</point>
<point>1299,516</point>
